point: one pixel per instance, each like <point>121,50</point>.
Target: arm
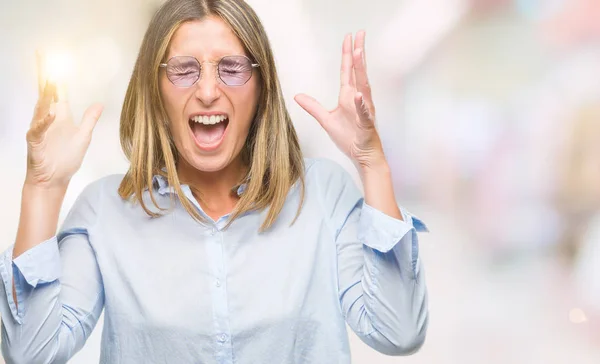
<point>44,319</point>
<point>382,290</point>
<point>52,293</point>
<point>379,188</point>
<point>38,221</point>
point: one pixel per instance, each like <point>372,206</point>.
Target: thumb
<point>313,107</point>
<point>90,118</point>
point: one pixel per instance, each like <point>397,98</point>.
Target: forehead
<point>205,39</point>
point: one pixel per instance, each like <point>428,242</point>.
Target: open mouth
<point>209,131</point>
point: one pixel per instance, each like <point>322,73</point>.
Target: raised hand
<point>55,145</point>
<point>351,125</point>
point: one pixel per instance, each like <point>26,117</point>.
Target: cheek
<point>169,98</point>
<point>169,101</point>
<point>249,103</point>
<point>172,102</point>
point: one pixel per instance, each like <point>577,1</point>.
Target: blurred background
<point>490,115</point>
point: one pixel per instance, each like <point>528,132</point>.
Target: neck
<point>213,190</point>
<point>211,186</point>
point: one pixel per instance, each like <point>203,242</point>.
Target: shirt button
<point>218,283</point>
<point>213,231</point>
<point>222,338</point>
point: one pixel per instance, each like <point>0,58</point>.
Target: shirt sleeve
<point>381,283</point>
<point>59,292</point>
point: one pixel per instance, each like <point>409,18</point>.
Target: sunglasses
<point>185,71</point>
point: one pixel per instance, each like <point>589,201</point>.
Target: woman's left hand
<point>351,125</point>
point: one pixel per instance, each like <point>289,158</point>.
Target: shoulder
<point>329,179</point>
<point>88,205</point>
<point>333,190</point>
<point>95,193</point>
<point>324,170</point>
<point>105,186</point>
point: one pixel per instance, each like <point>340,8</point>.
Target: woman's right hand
<point>55,144</point>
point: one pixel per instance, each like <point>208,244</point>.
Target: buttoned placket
<point>214,234</point>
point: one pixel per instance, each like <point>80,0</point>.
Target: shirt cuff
<point>382,232</point>
<point>40,264</point>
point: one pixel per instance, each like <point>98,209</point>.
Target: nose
<point>207,88</point>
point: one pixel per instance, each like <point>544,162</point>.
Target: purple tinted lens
<point>183,71</point>
<point>235,70</point>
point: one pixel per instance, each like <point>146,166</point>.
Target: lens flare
<point>55,66</point>
<point>58,66</point>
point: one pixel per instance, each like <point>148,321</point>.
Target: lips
<point>209,130</point>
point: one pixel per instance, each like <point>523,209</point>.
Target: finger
<point>360,72</point>
<point>346,75</point>
<point>359,43</point>
<point>42,108</point>
<point>365,114</point>
<point>41,72</point>
<point>61,92</point>
<point>313,107</point>
<point>38,129</point>
<point>90,118</point>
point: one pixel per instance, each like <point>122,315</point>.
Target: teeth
<point>209,120</point>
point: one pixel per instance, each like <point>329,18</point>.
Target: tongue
<point>207,134</point>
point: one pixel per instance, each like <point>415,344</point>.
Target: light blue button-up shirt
<point>177,291</point>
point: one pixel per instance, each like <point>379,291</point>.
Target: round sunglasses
<point>185,71</point>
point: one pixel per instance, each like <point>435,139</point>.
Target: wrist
<point>376,178</point>
<point>44,194</point>
<point>40,209</point>
<point>377,166</point>
<point>44,188</point>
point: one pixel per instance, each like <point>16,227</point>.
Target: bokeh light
<point>58,65</point>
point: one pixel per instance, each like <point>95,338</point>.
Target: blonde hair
<point>272,152</point>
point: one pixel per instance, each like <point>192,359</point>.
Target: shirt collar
<point>162,185</point>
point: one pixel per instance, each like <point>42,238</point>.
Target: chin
<point>195,159</point>
<point>209,164</point>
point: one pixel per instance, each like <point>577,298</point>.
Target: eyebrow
<point>219,54</point>
<point>185,63</point>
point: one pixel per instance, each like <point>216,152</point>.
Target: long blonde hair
<point>272,152</point>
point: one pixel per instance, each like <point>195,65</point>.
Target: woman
<point>221,244</point>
